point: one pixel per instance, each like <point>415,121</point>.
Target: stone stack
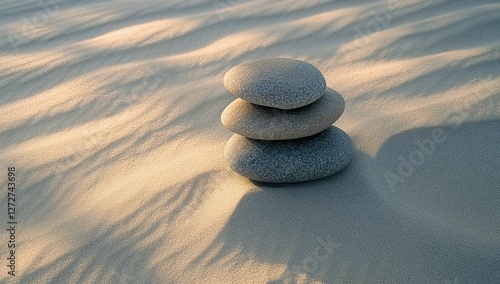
<point>283,122</point>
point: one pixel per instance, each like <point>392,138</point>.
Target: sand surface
<point>110,113</point>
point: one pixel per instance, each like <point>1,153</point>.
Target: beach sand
<point>111,118</point>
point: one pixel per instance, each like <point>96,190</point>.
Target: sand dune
<point>110,114</point>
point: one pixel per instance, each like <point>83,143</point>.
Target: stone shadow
<point>438,223</point>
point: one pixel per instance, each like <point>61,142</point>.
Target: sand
<point>111,118</point>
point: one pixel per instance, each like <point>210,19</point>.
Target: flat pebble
<point>266,123</point>
<point>290,161</point>
<point>276,82</point>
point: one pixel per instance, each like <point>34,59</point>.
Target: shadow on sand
<point>435,225</point>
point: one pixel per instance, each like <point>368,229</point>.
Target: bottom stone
<point>289,161</point>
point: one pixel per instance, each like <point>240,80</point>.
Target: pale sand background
<point>110,113</point>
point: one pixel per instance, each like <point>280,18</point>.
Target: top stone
<point>276,82</point>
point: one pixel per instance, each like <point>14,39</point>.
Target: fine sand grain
<point>110,113</point>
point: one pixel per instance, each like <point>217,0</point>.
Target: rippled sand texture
<point>110,112</point>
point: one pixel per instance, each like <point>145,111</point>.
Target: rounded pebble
<point>266,123</point>
<point>290,161</point>
<point>276,82</point>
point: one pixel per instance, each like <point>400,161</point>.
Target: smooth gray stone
<point>266,123</point>
<point>276,82</point>
<point>289,161</point>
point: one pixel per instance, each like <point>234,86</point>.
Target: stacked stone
<point>283,122</point>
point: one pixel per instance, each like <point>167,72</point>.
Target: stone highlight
<point>276,82</point>
<point>266,123</point>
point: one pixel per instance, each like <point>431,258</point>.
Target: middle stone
<point>267,123</point>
